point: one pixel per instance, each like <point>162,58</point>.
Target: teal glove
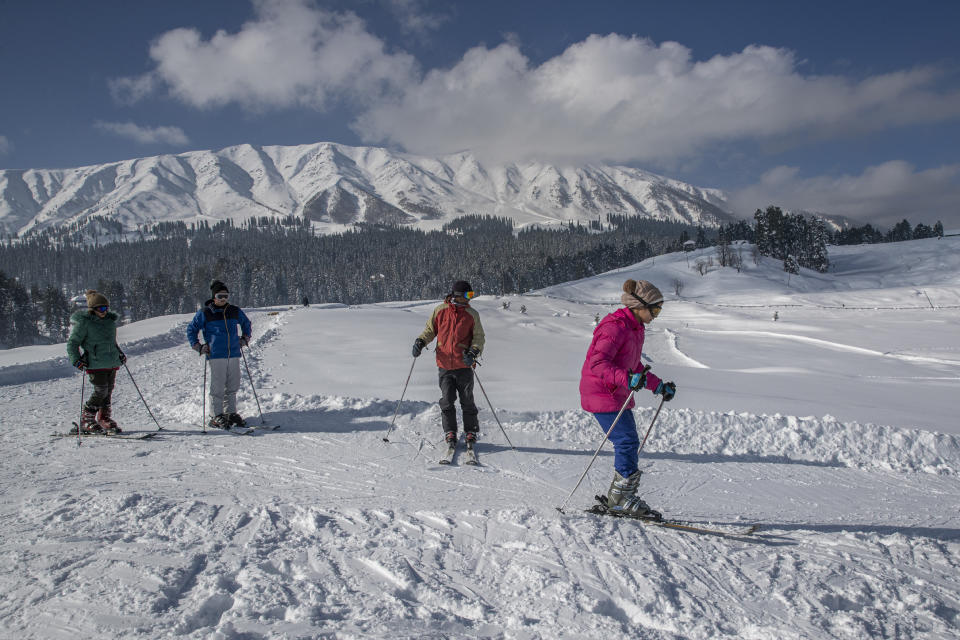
<point>667,390</point>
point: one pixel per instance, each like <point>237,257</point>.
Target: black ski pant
<point>102,381</point>
<point>453,383</point>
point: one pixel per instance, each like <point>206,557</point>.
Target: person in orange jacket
<point>460,339</point>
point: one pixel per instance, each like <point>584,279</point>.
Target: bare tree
<point>677,286</point>
<point>703,265</point>
<point>736,259</point>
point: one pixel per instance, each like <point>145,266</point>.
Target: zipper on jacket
<point>227,331</point>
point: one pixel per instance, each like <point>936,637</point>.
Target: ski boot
<point>88,422</point>
<point>451,437</point>
<point>470,437</point>
<point>220,421</point>
<point>236,420</point>
<point>107,423</point>
<point>622,498</point>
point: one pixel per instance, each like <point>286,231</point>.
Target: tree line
<point>167,268</point>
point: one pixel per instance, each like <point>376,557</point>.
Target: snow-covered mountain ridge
<point>333,185</point>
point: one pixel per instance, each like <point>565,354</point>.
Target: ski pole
<point>159,428</point>
<point>597,452</point>
<point>83,388</point>
<point>650,428</point>
<point>252,388</point>
<point>397,410</point>
<point>203,398</point>
<point>493,410</point>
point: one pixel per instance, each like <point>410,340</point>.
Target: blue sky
<point>845,107</point>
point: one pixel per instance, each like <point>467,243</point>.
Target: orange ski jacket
<point>457,328</point>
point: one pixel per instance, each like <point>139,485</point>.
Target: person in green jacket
<point>92,348</point>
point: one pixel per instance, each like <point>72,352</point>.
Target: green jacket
<point>97,337</point>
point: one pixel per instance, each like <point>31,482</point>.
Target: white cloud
<point>611,97</point>
<point>131,90</point>
<point>626,98</point>
<point>145,135</point>
<point>5,146</point>
<point>413,16</point>
<point>291,54</point>
<point>885,194</point>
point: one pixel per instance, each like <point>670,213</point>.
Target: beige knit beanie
<point>96,299</point>
<point>640,293</point>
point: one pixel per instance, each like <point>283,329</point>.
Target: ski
<point>470,455</point>
<point>601,509</point>
<point>110,436</point>
<point>451,451</point>
<point>244,431</point>
<point>266,427</point>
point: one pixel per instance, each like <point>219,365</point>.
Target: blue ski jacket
<point>220,329</point>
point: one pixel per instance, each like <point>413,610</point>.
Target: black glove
<point>470,356</point>
<point>201,348</point>
<point>637,381</point>
<point>82,363</point>
<point>667,390</point>
<point>123,357</point>
<point>244,341</point>
<point>418,346</point>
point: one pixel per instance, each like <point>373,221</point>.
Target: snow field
<point>322,530</point>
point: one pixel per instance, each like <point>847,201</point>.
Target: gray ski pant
<point>224,384</point>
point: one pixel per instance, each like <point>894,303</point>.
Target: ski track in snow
<point>322,530</point>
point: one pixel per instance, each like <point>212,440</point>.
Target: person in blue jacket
<point>226,329</point>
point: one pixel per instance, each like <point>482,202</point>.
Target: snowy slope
<point>833,427</point>
<point>335,185</point>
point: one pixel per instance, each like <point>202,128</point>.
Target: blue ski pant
<point>626,441</point>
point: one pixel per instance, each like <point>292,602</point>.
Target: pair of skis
<point>112,436</point>
<point>600,508</point>
<point>244,431</point>
<point>249,431</point>
<point>469,455</point>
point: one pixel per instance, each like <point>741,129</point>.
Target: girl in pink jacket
<point>610,373</point>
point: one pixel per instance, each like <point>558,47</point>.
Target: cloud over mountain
<point>885,193</point>
<point>608,97</point>
<point>145,135</point>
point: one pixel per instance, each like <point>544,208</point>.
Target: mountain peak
<point>333,184</point>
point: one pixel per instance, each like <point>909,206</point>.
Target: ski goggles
<point>469,295</point>
<point>654,309</point>
<point>102,308</point>
<point>222,296</point>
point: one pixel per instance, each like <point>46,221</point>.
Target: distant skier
<point>612,370</point>
<point>226,329</point>
<point>776,316</point>
<point>94,330</point>
<point>306,301</point>
<point>460,340</point>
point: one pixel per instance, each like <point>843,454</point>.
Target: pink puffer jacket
<point>613,354</point>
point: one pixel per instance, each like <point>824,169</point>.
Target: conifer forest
<point>167,268</point>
